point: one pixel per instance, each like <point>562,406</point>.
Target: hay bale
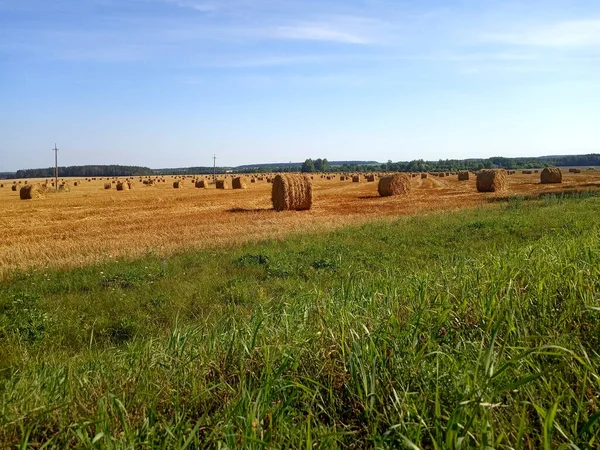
<point>370,178</point>
<point>492,180</point>
<point>398,184</point>
<point>30,191</point>
<point>356,178</point>
<point>64,187</point>
<point>122,186</point>
<point>574,170</point>
<point>177,184</point>
<point>14,188</point>
<point>107,185</point>
<point>291,192</point>
<point>424,176</point>
<point>527,172</point>
<point>223,184</point>
<point>551,175</point>
<point>200,184</point>
<point>239,183</point>
<point>463,175</point>
<point>252,180</point>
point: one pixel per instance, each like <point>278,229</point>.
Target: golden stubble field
<point>90,224</point>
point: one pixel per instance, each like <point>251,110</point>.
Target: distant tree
<point>308,166</point>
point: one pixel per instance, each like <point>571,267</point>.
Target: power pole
<point>214,168</point>
<point>55,150</point>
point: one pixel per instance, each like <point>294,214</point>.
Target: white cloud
<point>202,6</point>
<point>576,33</point>
<point>316,32</point>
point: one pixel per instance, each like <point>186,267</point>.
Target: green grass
<point>475,329</point>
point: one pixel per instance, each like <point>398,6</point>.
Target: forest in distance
<point>319,165</point>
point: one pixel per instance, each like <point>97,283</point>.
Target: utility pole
<point>214,168</point>
<point>55,150</point>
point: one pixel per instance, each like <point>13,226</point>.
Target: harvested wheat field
<point>90,224</point>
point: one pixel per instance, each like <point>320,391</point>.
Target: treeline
<point>318,165</point>
<point>278,168</point>
<point>322,165</point>
<point>190,171</point>
<point>420,165</point>
<point>85,171</point>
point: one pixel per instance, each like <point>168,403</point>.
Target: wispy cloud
<point>576,33</point>
<point>316,32</point>
<point>202,6</point>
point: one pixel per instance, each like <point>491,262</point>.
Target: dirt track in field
<point>90,224</point>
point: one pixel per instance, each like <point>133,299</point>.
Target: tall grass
<point>476,329</point>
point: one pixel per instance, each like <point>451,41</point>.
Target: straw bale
<point>551,175</point>
<point>398,184</point>
<point>239,183</point>
<point>492,180</point>
<point>291,192</point>
<point>30,191</point>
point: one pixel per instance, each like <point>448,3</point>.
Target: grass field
<point>89,224</point>
<point>472,328</point>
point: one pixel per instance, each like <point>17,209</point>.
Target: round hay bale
<point>291,192</point>
<point>14,188</point>
<point>424,176</point>
<point>398,184</point>
<point>177,184</point>
<point>252,180</point>
<point>239,183</point>
<point>30,191</point>
<point>574,170</point>
<point>356,178</point>
<point>223,184</point>
<point>64,187</point>
<point>200,184</point>
<point>463,175</point>
<point>122,186</point>
<point>492,180</point>
<point>107,185</point>
<point>370,178</point>
<point>551,175</point>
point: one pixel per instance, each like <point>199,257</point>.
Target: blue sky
<point>167,83</point>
